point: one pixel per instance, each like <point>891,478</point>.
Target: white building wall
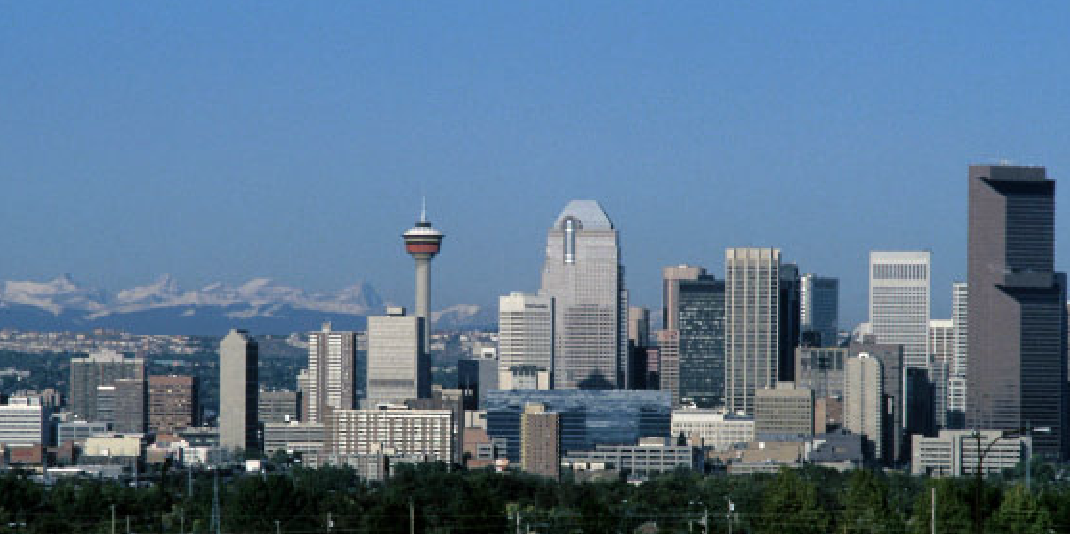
<point>899,302</point>
<point>752,322</point>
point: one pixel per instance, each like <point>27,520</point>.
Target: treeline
<point>433,498</point>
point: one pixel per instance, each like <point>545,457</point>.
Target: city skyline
<point>118,169</point>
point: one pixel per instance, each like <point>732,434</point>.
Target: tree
<point>790,506</point>
<point>952,508</point>
<point>1020,513</point>
<point>865,505</point>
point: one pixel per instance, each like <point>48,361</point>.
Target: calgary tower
<point>423,242</point>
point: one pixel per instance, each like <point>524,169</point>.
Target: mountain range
<point>261,305</point>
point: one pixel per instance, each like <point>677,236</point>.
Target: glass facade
<point>701,326</point>
<point>588,417</point>
<point>820,369</point>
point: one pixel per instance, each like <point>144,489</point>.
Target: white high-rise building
<point>862,403</point>
<point>752,324</point>
<point>332,361</point>
<point>398,365</point>
<point>239,390</point>
<point>942,352</point>
<point>584,275</point>
<point>899,308</point>
<point>956,383</point>
<point>525,337</point>
<point>23,421</point>
<point>819,307</point>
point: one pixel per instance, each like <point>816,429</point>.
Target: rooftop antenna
<point>423,209</point>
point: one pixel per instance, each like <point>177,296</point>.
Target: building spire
<point>423,209</point>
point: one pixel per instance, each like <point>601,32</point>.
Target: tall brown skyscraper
<point>172,403</point>
<point>1016,305</point>
<point>540,441</point>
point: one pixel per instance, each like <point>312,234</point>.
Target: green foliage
<point>442,499</point>
<point>1020,513</point>
<point>791,506</point>
<point>866,505</point>
<point>953,507</point>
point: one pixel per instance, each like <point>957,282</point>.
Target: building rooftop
<point>589,212</point>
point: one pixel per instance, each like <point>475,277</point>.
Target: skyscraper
<point>942,351</point>
<point>893,445</point>
<point>525,337</point>
<point>899,303</point>
<point>1016,307</point>
<point>540,442</point>
<point>864,400</point>
<point>638,344</point>
<point>819,308</point>
<point>238,390</point>
<point>332,361</point>
<point>752,323</point>
<point>423,242</point>
<point>669,363</point>
<point>100,368</point>
<point>584,276</point>
<point>956,382</point>
<point>694,306</point>
<point>789,325</point>
<point>670,292</point>
<point>398,365</point>
<point>173,403</point>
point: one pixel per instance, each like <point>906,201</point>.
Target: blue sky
<point>294,140</point>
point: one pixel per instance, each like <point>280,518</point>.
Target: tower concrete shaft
<point>423,242</point>
<point>423,284</point>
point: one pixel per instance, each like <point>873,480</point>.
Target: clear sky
<point>221,141</point>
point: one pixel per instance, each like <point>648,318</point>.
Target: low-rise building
<point>393,431</point>
<point>840,450</point>
<point>278,406</point>
<point>79,430</point>
<point>639,462</point>
<point>712,428</point>
<point>959,452</point>
<point>784,412</point>
<point>307,439</point>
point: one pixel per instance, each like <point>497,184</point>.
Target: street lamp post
<point>978,514</point>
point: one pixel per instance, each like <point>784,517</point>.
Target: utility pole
<point>932,511</point>
<point>705,520</point>
<point>278,529</point>
<point>518,518</point>
<point>127,524</point>
<point>412,517</point>
<point>182,521</point>
<point>113,519</point>
<point>731,508</point>
<point>215,504</point>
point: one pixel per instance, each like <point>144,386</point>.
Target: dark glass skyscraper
<point>1016,340</point>
<point>700,320</point>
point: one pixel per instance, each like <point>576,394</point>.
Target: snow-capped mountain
<point>261,305</point>
<point>55,296</point>
<point>463,315</point>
